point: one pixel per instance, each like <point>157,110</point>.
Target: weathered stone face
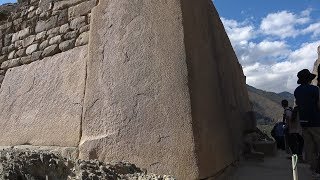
<point>315,68</point>
<point>36,25</point>
<point>137,102</point>
<point>164,88</point>
<point>41,103</point>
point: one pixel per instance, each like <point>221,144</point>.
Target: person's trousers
<point>311,136</point>
<point>280,142</point>
<point>296,142</point>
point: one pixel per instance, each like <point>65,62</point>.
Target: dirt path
<point>273,168</point>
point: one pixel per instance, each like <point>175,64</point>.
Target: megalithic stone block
<point>164,88</point>
<point>316,68</point>
<point>41,103</point>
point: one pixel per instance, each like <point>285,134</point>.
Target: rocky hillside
<point>267,105</point>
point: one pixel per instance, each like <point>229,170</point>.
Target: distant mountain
<point>267,105</point>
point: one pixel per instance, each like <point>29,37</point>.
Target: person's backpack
<point>278,129</point>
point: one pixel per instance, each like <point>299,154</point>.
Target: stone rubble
<point>33,165</point>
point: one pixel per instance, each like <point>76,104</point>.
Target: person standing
<point>307,101</point>
<point>278,133</point>
<point>294,131</point>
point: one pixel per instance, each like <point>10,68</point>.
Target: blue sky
<point>7,1</point>
<point>273,39</point>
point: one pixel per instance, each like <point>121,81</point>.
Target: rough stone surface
<point>82,39</point>
<point>36,55</point>
<point>1,78</point>
<point>11,54</point>
<point>20,53</point>
<point>41,35</point>
<point>143,105</point>
<point>47,164</point>
<point>78,22</point>
<point>55,40</point>
<point>26,60</point>
<point>219,97</point>
<point>84,29</point>
<point>64,4</point>
<point>18,44</point>
<point>81,9</point>
<point>21,34</point>
<point>50,50</point>
<point>66,45</point>
<point>149,99</point>
<point>53,32</point>
<point>63,17</point>
<point>44,44</point>
<point>31,49</point>
<point>315,68</point>
<point>46,25</point>
<point>137,105</point>
<point>10,63</point>
<point>70,35</point>
<point>42,102</point>
<point>3,58</point>
<point>45,5</point>
<point>64,28</point>
<point>28,41</point>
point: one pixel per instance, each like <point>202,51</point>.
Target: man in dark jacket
<point>307,101</point>
<point>278,134</point>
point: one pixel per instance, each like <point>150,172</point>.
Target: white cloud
<point>306,12</point>
<point>281,76</point>
<point>284,24</point>
<point>268,61</point>
<point>238,32</point>
<point>312,28</point>
<point>265,52</point>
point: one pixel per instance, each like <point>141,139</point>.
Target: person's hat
<point>305,76</point>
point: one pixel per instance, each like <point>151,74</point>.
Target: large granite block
<point>41,103</point>
<point>137,105</point>
<point>164,88</point>
<point>316,67</point>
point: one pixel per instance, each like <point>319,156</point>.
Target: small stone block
<point>51,50</point>
<point>44,44</point>
<point>66,45</point>
<point>35,56</point>
<point>26,60</point>
<point>77,23</point>
<point>55,40</point>
<point>31,49</point>
<point>82,39</point>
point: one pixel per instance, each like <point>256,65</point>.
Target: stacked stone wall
<point>41,28</point>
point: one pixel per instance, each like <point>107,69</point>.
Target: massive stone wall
<point>316,68</point>
<point>164,88</point>
<point>41,103</point>
<point>40,28</point>
<point>158,84</point>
